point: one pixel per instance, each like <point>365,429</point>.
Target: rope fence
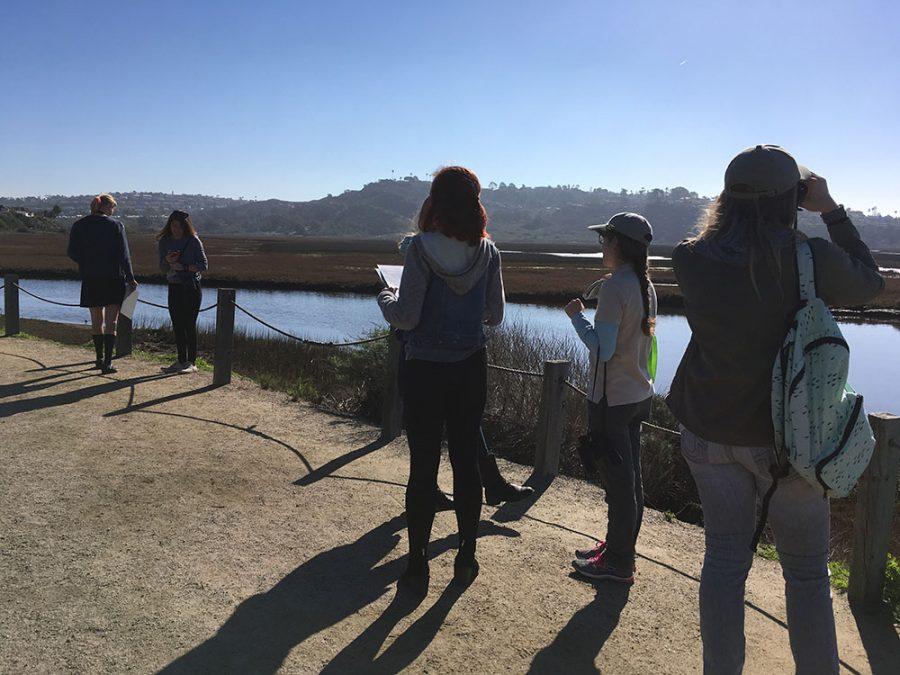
<point>876,491</point>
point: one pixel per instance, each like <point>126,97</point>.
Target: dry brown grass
<point>338,265</point>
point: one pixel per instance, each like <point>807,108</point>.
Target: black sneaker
<point>506,492</point>
<point>108,369</point>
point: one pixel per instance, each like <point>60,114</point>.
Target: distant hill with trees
<point>386,208</point>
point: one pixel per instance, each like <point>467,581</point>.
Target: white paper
<point>129,303</point>
<point>390,275</point>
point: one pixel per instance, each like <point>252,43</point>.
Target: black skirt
<point>102,292</point>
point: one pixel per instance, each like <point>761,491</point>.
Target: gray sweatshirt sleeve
<point>403,311</point>
<point>163,264</point>
<point>202,264</point>
<point>846,273</point>
<point>496,297</point>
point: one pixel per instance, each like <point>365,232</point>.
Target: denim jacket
<point>442,310</point>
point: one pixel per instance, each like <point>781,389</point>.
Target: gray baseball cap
<point>629,225</point>
<point>763,171</point>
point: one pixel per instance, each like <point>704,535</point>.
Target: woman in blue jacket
<point>182,259</point>
<point>99,245</point>
<point>452,286</point>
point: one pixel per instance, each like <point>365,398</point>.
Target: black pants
<point>184,306</point>
<point>618,428</point>
<point>436,395</point>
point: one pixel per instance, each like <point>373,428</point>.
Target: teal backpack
<point>821,428</point>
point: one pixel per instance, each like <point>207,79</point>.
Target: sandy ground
<point>154,523</point>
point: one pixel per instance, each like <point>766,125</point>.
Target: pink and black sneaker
<point>588,553</point>
<point>599,568</point>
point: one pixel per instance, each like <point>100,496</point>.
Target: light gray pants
<point>731,480</point>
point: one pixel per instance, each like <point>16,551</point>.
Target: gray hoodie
<point>458,264</point>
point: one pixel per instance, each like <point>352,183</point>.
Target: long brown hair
<point>763,218</point>
<point>453,207</point>
<point>636,254</point>
<point>177,216</point>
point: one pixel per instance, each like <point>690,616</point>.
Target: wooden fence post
<point>123,336</point>
<point>551,420</point>
<point>11,303</point>
<point>874,513</point>
<point>392,406</point>
<point>224,336</point>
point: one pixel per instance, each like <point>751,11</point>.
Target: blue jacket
<point>192,254</point>
<point>99,245</point>
<point>448,293</point>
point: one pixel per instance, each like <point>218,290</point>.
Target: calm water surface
<point>874,362</point>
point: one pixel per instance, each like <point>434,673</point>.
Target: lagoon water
<point>874,360</point>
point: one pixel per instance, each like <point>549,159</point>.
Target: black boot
<point>442,502</point>
<point>98,350</point>
<point>496,488</point>
<point>465,567</point>
<point>109,344</point>
<point>416,577</point>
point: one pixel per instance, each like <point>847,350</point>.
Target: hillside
<point>386,208</point>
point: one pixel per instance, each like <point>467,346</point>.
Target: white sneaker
<point>174,368</point>
<point>188,368</point>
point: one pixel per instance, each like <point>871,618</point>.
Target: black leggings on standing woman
<point>436,394</point>
<point>184,306</point>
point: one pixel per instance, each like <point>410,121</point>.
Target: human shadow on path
<point>40,383</point>
<point>337,463</point>
<point>878,633</point>
<point>62,366</point>
<point>321,592</point>
<point>575,647</point>
<point>65,398</point>
<point>359,655</point>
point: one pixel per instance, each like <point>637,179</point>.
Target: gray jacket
<point>448,292</point>
<point>723,386</point>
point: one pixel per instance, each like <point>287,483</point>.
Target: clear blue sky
<point>298,99</point>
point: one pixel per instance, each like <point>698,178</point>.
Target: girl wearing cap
<point>620,389</point>
<point>452,286</point>
<point>99,245</point>
<point>738,277</point>
<point>182,259</point>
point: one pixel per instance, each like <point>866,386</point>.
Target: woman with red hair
<point>451,288</point>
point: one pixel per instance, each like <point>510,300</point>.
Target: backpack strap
<point>777,472</point>
<point>806,272</point>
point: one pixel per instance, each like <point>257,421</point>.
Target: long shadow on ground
<point>66,398</point>
<point>879,637</point>
<point>575,647</point>
<point>324,590</point>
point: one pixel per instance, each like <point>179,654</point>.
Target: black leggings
<point>434,395</point>
<point>184,306</point>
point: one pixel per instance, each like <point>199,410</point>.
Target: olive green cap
<point>763,171</point>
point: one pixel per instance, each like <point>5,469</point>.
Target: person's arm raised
<point>403,311</point>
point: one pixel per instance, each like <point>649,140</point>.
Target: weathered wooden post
<point>123,336</point>
<point>11,303</point>
<point>392,406</point>
<point>551,420</point>
<point>874,513</point>
<point>224,336</point>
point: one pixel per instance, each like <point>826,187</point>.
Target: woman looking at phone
<point>182,259</point>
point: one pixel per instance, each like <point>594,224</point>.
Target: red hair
<point>453,207</point>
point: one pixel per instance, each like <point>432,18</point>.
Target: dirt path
<point>155,523</point>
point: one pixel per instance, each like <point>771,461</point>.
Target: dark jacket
<point>722,388</point>
<point>99,245</point>
<point>191,254</point>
